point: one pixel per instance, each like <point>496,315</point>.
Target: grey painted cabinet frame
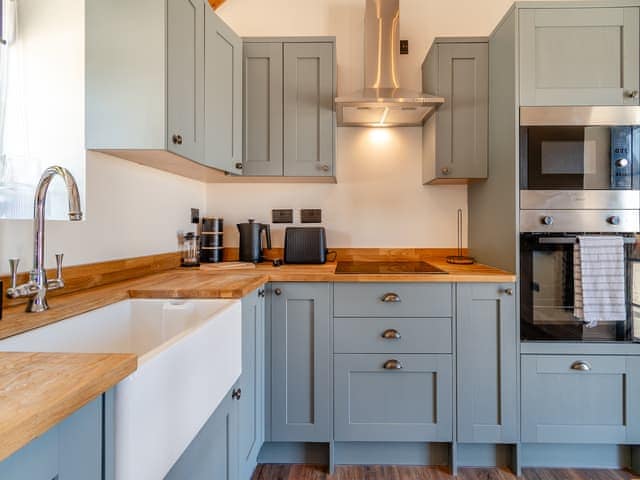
<point>185,78</point>
<point>301,362</point>
<point>487,364</point>
<point>579,56</point>
<point>222,95</point>
<point>455,139</point>
<point>263,109</point>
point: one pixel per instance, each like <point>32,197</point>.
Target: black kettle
<point>251,240</point>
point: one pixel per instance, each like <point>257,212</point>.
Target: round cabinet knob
<point>176,139</point>
<point>622,162</point>
<point>613,220</point>
<point>547,220</point>
<point>236,394</point>
<point>633,94</point>
<point>238,166</point>
<point>508,291</point>
<point>445,170</point>
<point>278,291</point>
<point>324,167</point>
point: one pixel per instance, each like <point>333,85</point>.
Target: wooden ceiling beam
<point>216,3</point>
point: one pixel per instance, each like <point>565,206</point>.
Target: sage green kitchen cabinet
<point>455,138</point>
<point>71,450</point>
<point>301,362</point>
<point>185,78</point>
<point>169,89</point>
<point>263,109</point>
<point>213,453</point>
<point>487,363</point>
<point>222,95</point>
<point>579,56</point>
<point>289,91</point>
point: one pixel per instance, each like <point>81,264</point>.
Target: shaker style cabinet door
<point>301,398</point>
<point>580,399</point>
<point>579,56</point>
<point>185,78</point>
<point>263,109</point>
<point>487,363</point>
<point>251,383</point>
<point>223,95</point>
<point>309,117</point>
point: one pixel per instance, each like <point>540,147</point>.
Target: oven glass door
<point>547,292</point>
<point>579,158</point>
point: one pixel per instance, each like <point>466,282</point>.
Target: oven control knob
<point>614,220</point>
<point>622,162</point>
<point>547,220</point>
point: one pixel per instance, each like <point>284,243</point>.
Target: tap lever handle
<point>13,265</point>
<point>59,257</point>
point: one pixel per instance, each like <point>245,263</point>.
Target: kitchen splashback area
<point>381,239</point>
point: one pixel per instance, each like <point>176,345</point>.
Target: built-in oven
<point>548,240</point>
<point>579,148</point>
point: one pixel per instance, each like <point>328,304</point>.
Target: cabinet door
<point>579,56</point>
<point>263,109</point>
<point>185,78</point>
<point>412,403</point>
<point>301,395</point>
<point>580,399</point>
<point>487,362</point>
<point>251,383</point>
<point>462,121</point>
<point>72,450</point>
<point>309,120</point>
<point>223,95</point>
<point>213,453</point>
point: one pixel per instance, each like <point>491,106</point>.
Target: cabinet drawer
<point>392,299</point>
<point>408,404</point>
<point>391,335</point>
<point>580,399</point>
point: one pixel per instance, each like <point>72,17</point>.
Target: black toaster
<point>305,245</point>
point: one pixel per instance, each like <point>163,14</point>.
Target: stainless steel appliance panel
<point>561,221</point>
<point>580,115</point>
<point>579,199</point>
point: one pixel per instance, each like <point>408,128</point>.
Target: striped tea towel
<point>598,264</point>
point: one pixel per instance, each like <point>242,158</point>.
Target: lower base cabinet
<point>406,398</point>
<point>580,399</point>
<point>71,450</point>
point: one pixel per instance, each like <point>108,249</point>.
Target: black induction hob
<point>386,268</point>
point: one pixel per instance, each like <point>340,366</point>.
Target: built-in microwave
<point>580,148</point>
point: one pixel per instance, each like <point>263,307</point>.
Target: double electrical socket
<point>307,215</point>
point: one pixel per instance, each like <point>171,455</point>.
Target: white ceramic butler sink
<point>189,356</point>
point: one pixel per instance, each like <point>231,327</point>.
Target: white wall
<point>378,201</point>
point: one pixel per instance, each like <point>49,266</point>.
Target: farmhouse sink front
<point>189,356</point>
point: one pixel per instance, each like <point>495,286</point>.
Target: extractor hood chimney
<point>382,103</point>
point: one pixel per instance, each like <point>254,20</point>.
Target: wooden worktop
<point>38,390</point>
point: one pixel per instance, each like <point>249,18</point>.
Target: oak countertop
<point>37,390</point>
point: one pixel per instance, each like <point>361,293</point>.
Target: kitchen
<point>481,382</point>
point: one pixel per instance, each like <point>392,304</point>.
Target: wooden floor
<point>377,472</point>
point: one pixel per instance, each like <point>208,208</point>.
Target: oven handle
<point>570,240</point>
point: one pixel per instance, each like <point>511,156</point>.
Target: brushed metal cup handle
<point>391,334</point>
<point>391,298</point>
<point>392,364</point>
<point>13,265</point>
<point>581,366</point>
<point>278,291</point>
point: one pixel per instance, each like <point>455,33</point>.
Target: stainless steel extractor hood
<point>382,103</point>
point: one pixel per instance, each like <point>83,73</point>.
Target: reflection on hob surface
<point>386,267</point>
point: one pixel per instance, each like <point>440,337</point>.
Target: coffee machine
<point>251,240</point>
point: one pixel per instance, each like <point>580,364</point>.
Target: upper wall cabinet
<point>164,84</point>
<point>289,87</point>
<point>455,138</point>
<point>579,56</point>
